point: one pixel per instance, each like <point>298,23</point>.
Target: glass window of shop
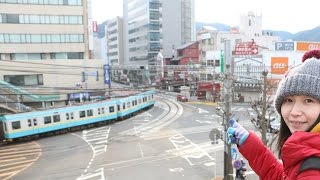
<point>24,80</point>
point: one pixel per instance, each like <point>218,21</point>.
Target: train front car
<point>1,128</point>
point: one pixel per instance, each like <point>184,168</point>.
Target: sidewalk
<point>195,100</point>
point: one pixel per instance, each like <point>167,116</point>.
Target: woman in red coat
<point>298,102</point>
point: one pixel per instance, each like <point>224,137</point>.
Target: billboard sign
<point>106,69</point>
<point>245,48</point>
<point>284,46</point>
<point>306,46</point>
<point>94,26</point>
<point>279,65</point>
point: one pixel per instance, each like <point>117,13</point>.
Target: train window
<point>35,122</point>
<point>123,106</point>
<point>132,102</point>
<point>71,115</point>
<point>128,104</point>
<point>16,125</point>
<point>47,120</point>
<point>82,114</point>
<point>135,102</point>
<point>152,96</point>
<point>99,111</point>
<point>67,116</point>
<point>89,112</point>
<point>139,101</point>
<point>111,109</point>
<point>56,118</point>
<point>118,107</point>
<point>29,123</point>
<point>102,110</point>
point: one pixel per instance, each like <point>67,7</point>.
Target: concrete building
<point>44,30</point>
<point>153,25</point>
<point>46,49</point>
<point>114,41</point>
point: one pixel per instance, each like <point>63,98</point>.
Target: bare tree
<point>264,111</point>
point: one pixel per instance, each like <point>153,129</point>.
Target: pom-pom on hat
<point>303,79</point>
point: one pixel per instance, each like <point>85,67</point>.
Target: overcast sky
<point>291,16</point>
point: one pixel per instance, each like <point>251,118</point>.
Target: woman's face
<point>300,112</point>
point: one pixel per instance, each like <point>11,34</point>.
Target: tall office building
<point>114,41</point>
<point>55,29</point>
<point>152,25</point>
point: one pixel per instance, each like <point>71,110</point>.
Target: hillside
<point>308,35</point>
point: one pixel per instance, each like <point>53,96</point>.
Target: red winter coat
<point>298,147</point>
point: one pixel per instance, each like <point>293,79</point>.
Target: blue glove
<point>236,133</point>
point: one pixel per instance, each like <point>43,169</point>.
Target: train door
<point>33,123</point>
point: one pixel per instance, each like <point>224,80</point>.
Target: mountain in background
<point>307,35</point>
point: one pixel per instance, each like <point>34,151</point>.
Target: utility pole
<point>228,169</point>
<point>264,107</point>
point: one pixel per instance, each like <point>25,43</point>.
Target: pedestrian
<point>298,102</point>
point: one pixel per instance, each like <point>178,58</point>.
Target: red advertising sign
<point>245,48</point>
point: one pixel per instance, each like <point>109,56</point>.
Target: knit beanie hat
<point>303,79</point>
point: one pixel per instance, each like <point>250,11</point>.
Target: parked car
<point>182,98</point>
<point>274,125</point>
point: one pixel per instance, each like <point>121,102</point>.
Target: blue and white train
<point>71,118</point>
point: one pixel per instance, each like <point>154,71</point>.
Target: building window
<point>24,80</point>
<point>75,55</point>
<point>12,18</point>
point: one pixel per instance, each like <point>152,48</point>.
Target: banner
<point>106,69</point>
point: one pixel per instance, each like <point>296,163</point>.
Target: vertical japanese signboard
<point>106,69</point>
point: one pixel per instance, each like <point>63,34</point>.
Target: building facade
<point>46,47</point>
<point>114,41</point>
<point>151,25</point>
<point>44,30</point>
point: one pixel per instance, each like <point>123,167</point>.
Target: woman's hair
<point>284,133</point>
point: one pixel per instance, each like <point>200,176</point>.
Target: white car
<point>274,125</point>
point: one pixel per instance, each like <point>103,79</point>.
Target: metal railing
<point>14,105</point>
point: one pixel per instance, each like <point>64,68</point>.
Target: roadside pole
<point>228,169</point>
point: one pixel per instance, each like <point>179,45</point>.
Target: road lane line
<point>16,159</point>
<point>17,152</point>
<point>19,155</point>
<point>20,162</point>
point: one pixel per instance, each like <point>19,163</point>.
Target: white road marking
<point>180,169</point>
<point>98,174</point>
<point>202,111</point>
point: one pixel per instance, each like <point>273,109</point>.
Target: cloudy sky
<point>291,16</point>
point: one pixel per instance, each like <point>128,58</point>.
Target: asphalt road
<point>169,141</point>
